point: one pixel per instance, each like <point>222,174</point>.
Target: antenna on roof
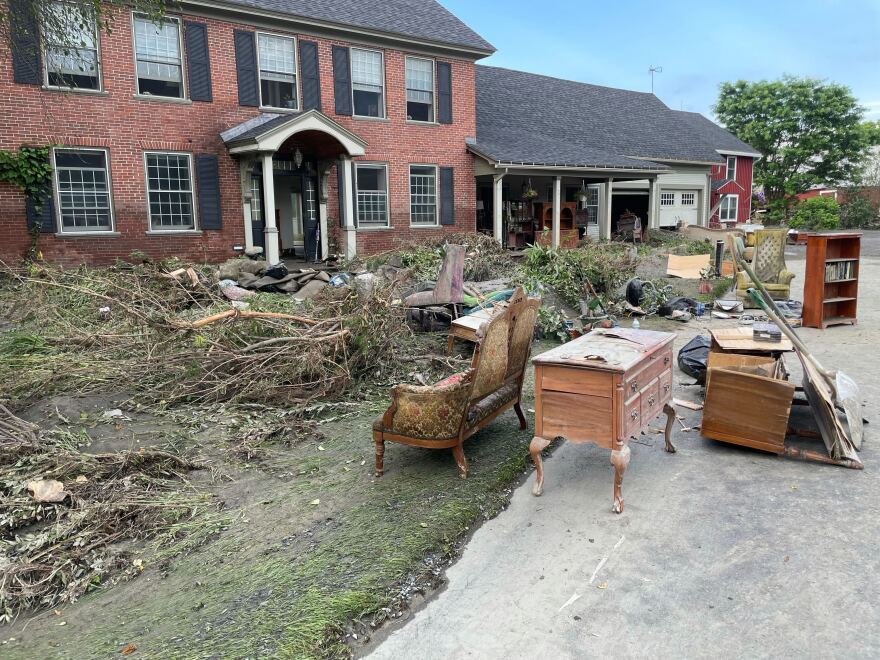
<point>652,70</point>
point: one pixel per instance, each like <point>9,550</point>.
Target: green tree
<point>810,132</point>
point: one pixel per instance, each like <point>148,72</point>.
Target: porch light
<point>298,158</point>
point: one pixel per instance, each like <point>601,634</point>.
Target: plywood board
<point>687,267</point>
<point>740,339</point>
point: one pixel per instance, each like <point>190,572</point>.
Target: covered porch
<point>285,162</point>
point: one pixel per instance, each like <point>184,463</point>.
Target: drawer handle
<point>666,387</point>
<point>634,414</point>
<point>666,360</point>
<point>634,385</point>
<point>651,400</point>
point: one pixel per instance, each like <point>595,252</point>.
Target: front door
<point>311,214</point>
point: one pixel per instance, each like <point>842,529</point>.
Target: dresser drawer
<point>646,371</point>
<point>575,417</point>
<point>632,417</point>
<point>650,401</point>
<point>665,386</point>
<point>577,381</point>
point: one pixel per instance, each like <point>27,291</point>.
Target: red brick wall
<point>742,186</point>
<point>128,126</point>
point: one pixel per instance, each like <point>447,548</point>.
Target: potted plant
<point>529,193</point>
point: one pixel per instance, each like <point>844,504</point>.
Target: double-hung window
<point>71,47</point>
<point>419,89</point>
<point>371,187</point>
<point>367,83</point>
<point>728,209</point>
<point>82,187</point>
<point>277,71</point>
<point>423,204</point>
<point>731,168</point>
<point>158,55</point>
<point>170,191</point>
<point>591,204</point>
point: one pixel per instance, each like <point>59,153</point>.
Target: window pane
<point>367,83</point>
<point>277,57</point>
<point>372,196</point>
<point>170,192</point>
<point>71,61</point>
<point>83,189</point>
<point>423,195</point>
<point>419,89</point>
<point>157,47</point>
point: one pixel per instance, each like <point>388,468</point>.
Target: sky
<point>698,44</point>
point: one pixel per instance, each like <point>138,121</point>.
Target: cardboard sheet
<point>687,267</point>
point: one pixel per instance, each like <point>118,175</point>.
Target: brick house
<point>174,137</point>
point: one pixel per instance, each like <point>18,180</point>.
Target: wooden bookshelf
<point>832,280</point>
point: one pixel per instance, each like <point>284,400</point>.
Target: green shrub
<point>858,211</point>
<point>815,214</point>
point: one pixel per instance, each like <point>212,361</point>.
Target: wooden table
<point>465,327</point>
<point>604,388</point>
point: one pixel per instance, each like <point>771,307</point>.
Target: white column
<point>557,210</point>
<point>497,208</point>
<point>273,252</point>
<point>605,232</point>
<point>244,168</point>
<point>348,211</point>
<point>652,204</point>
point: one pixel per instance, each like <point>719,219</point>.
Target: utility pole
<point>652,70</point>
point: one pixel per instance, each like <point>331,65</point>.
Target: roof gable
<point>423,20</point>
<point>525,117</point>
<point>720,138</point>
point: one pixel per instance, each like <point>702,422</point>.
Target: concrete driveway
<point>720,551</point>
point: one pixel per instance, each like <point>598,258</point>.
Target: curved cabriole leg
<point>461,461</point>
<point>670,422</point>
<point>535,448</point>
<point>519,413</point>
<point>619,459</point>
<point>380,457</point>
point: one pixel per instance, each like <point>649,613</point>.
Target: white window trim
<point>436,195</point>
<point>384,115</point>
<point>668,195</point>
<point>387,224</point>
<point>99,63</point>
<point>727,167</point>
<point>434,91</point>
<point>735,198</point>
<point>184,86</point>
<point>192,187</point>
<point>56,195</point>
<point>272,108</point>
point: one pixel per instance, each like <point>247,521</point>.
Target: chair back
<point>769,259</point>
<point>522,312</point>
<point>450,281</point>
<point>490,355</point>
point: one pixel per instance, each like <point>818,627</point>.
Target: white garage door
<point>679,207</point>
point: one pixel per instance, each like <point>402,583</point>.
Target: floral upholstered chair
<point>444,415</point>
<point>768,263</point>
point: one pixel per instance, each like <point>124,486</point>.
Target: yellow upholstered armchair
<point>444,415</point>
<point>768,262</point>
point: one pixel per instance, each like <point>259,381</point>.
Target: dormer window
<point>71,48</point>
<point>419,89</point>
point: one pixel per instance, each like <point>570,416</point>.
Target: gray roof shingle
<point>718,137</point>
<point>529,118</point>
<point>420,19</point>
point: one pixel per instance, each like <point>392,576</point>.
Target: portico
<point>284,162</point>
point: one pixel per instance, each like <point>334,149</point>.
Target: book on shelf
<point>840,270</point>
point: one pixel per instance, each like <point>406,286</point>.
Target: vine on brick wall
<point>28,169</point>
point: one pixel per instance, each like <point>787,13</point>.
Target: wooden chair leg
<point>460,460</point>
<point>380,457</point>
<point>535,448</point>
<point>519,413</point>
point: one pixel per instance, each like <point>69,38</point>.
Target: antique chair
<point>768,263</point>
<point>444,415</point>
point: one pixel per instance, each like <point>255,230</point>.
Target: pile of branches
<point>177,339</point>
<point>485,259</point>
<point>62,511</point>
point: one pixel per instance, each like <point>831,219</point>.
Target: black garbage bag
<point>278,271</point>
<point>679,303</point>
<point>693,356</point>
<point>635,292</point>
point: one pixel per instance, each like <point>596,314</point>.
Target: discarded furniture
<point>741,340</point>
<point>832,279</point>
<point>568,233</point>
<point>604,388</point>
<point>447,413</point>
<point>466,327</point>
<point>629,227</point>
<point>748,401</point>
<point>768,263</point>
<point>449,288</point>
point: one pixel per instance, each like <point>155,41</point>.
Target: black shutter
<point>45,219</point>
<point>342,80</point>
<point>208,178</point>
<point>310,75</point>
<point>447,196</point>
<point>246,68</point>
<point>444,92</point>
<point>340,187</point>
<point>25,37</point>
<point>198,63</point>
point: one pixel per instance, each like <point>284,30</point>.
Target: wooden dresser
<point>604,388</point>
